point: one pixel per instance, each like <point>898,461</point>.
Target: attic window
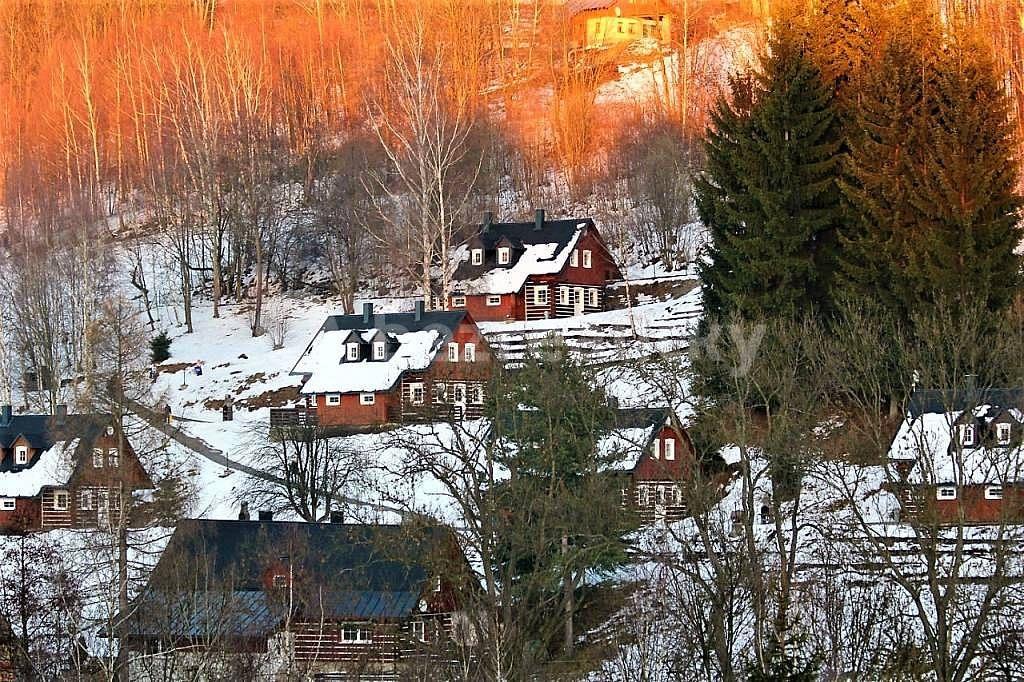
<point>670,449</point>
<point>21,455</point>
<point>97,458</point>
<point>967,434</point>
<point>945,492</point>
<point>453,352</point>
<point>353,352</point>
<point>1003,432</point>
<point>470,350</point>
<point>113,458</point>
<point>504,255</point>
<point>378,350</point>
<point>574,258</point>
<point>458,301</point>
<point>993,492</point>
<point>656,449</point>
<point>7,504</point>
<point>588,258</point>
<point>478,256</point>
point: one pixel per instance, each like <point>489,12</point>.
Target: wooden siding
<point>50,516</point>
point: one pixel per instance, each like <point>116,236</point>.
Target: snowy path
<point>200,447</point>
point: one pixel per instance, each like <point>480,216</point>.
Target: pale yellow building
<point>600,24</point>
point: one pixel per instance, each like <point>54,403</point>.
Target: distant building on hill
<point>602,24</point>
<point>373,369</point>
<point>64,471</point>
<point>533,271</point>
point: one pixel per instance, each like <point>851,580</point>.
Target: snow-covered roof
<point>329,372</point>
<point>623,447</point>
<point>928,441</point>
<point>52,467</point>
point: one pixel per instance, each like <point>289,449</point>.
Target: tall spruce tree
<point>769,194</point>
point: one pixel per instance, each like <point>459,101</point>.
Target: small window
<point>21,455</point>
<point>470,352</point>
<point>416,394</point>
<point>110,430</point>
<point>588,258</point>
<point>476,392</point>
<point>458,301</point>
<point>1003,432</point>
<point>353,352</point>
<point>354,634</point>
<point>367,398</point>
<point>7,503</point>
<point>334,399</point>
<point>97,458</point>
<point>459,394</point>
<point>378,350</point>
<point>574,258</point>
<point>493,300</point>
<point>595,301</point>
<point>563,295</point>
<point>993,492</point>
<point>453,352</point>
<point>478,256</point>
<point>440,392</point>
<point>945,492</point>
<point>280,580</point>
<point>504,255</point>
<point>437,584</point>
<point>60,500</point>
<point>656,449</point>
<point>113,458</point>
<point>670,448</point>
<point>967,434</point>
<point>419,631</point>
<point>540,295</point>
<point>85,499</point>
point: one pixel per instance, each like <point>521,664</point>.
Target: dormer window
<point>967,435</point>
<point>21,454</point>
<point>504,255</point>
<point>352,353</point>
<point>1003,432</point>
<point>478,256</point>
<point>379,351</point>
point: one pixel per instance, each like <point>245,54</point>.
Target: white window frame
<point>8,504</point>
<point>279,581</point>
<point>494,300</point>
<point>110,430</point>
<point>363,635</point>
<point>85,499</point>
<point>670,449</point>
<point>993,492</point>
<point>458,301</point>
<point>537,291</point>
<point>352,352</point>
<point>594,300</point>
<point>113,458</point>
<point>945,492</point>
<point>60,500</point>
<point>453,352</point>
<point>97,458</point>
<point>440,391</point>
<point>965,431</point>
<point>379,350</point>
<point>477,391</point>
<point>413,389</point>
<point>21,454</point>
<point>333,399</point>
<point>418,628</point>
<point>574,258</point>
<point>367,398</point>
<point>478,256</point>
<point>588,259</point>
<point>1001,429</point>
<point>504,255</point>
<point>563,295</point>
<point>656,449</point>
<point>459,393</point>
<point>469,352</point>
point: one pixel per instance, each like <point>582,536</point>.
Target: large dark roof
<point>940,401</point>
<point>558,232</point>
<point>352,571</point>
<point>398,322</point>
<point>43,430</point>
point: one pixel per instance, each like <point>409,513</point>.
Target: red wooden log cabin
<point>64,470</point>
<point>373,369</point>
<point>533,271</point>
<point>362,600</point>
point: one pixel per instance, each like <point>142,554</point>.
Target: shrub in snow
<point>160,347</point>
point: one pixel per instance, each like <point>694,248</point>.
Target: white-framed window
<point>21,455</point>
<point>419,630</point>
<point>416,393</point>
<point>945,492</point>
<point>437,584</point>
<point>60,500</point>
<point>540,295</point>
<point>379,350</point>
<point>7,503</point>
<point>574,258</point>
<point>993,492</point>
<point>440,391</point>
<point>588,258</point>
<point>355,634</point>
<point>1003,432</point>
<point>97,458</point>
<point>494,300</point>
<point>594,300</point>
<point>110,430</point>
<point>656,449</point>
<point>478,256</point>
<point>280,580</point>
<point>967,434</point>
<point>453,352</point>
<point>367,398</point>
<point>504,255</point>
<point>563,295</point>
<point>353,352</point>
<point>458,301</point>
<point>85,499</point>
<point>113,458</point>
<point>334,399</point>
<point>459,394</point>
<point>476,394</point>
<point>670,448</point>
<point>470,352</point>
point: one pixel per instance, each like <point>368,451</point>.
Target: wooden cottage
<point>64,471</point>
<point>605,24</point>
<point>372,369</point>
<point>260,599</point>
<point>533,271</point>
